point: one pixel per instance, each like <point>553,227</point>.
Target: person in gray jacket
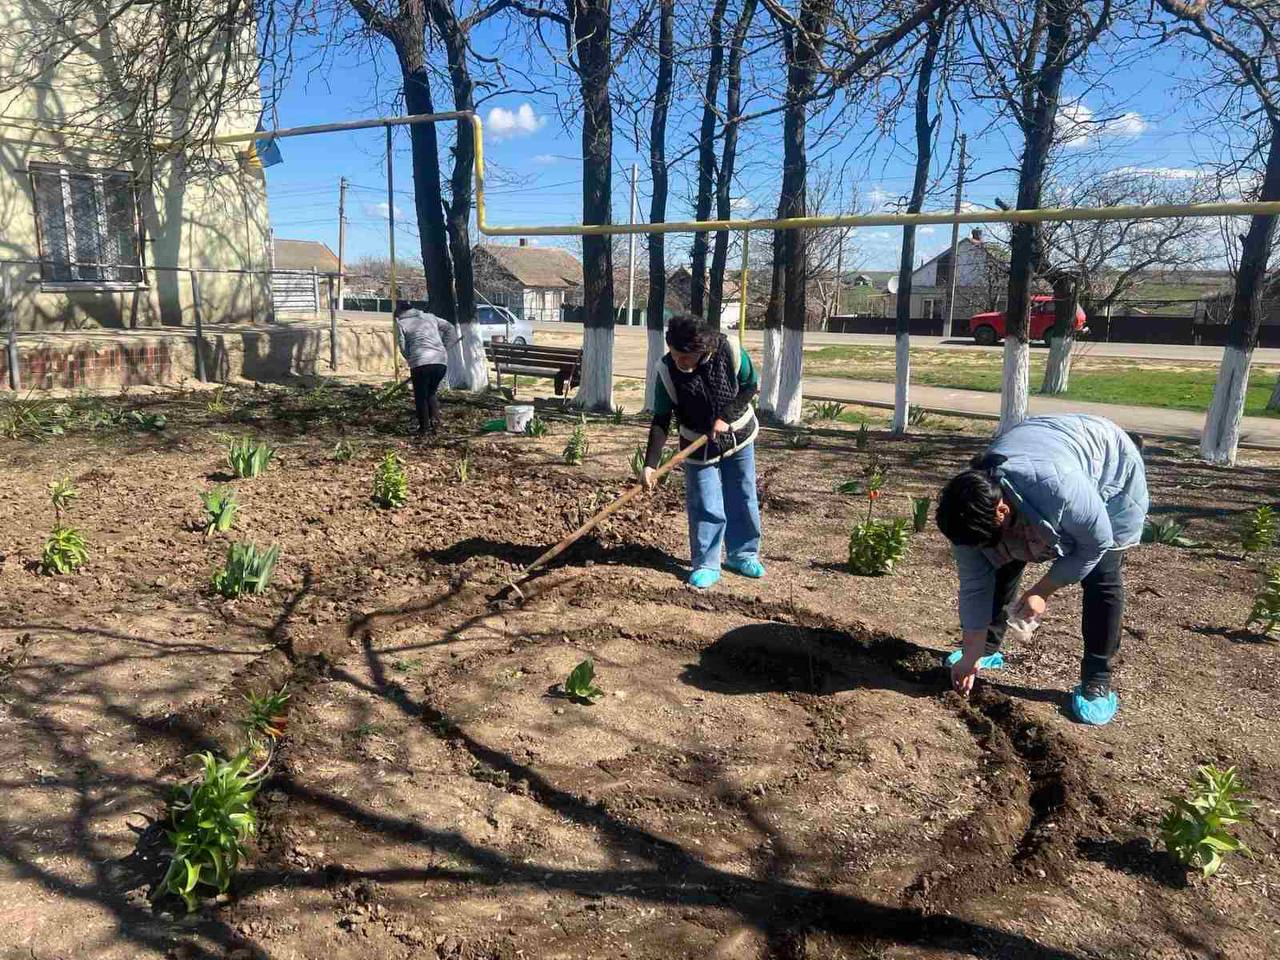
<point>425,341</point>
<point>1067,490</point>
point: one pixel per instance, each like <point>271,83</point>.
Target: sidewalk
<point>1256,432</point>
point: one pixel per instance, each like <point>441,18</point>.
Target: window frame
<point>97,176</point>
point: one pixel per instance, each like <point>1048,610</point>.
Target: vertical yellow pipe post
<point>742,292</point>
<point>391,240</point>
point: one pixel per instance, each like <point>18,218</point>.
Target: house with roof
<point>95,234</point>
<point>532,282</point>
<point>303,276</point>
<point>981,277</point>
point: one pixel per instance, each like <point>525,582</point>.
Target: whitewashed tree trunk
<point>596,390</point>
<point>770,369</point>
<point>790,407</point>
<point>1014,384</point>
<point>468,366</point>
<point>902,383</point>
<point>1221,435</point>
<point>1057,372</point>
<point>455,377</point>
<point>1274,402</point>
<point>657,347</point>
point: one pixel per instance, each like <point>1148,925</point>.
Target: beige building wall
<point>213,217</point>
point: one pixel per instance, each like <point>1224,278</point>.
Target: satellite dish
<point>892,285</point>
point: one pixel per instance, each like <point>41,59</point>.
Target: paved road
<point>629,361</point>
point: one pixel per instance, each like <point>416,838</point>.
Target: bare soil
<point>777,769</point>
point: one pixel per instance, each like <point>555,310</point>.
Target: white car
<point>502,323</point>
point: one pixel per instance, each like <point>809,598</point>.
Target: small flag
<point>263,153</point>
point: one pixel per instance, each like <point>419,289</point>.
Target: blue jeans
<point>723,514</point>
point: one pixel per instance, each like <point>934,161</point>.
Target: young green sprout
<point>249,458</point>
<point>1258,533</point>
<point>1266,604</point>
<point>637,462</point>
<point>1167,532</point>
<point>920,513</point>
<point>266,714</point>
<point>1197,829</point>
<point>390,484</point>
<point>862,440</point>
<point>580,685</point>
<point>220,508</point>
<point>248,570</point>
<point>536,427</point>
<point>578,446</point>
<point>210,819</point>
<point>619,413</point>
<point>61,493</point>
<point>64,552</point>
<point>462,469</point>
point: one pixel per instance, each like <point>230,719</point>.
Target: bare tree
<point>656,307</point>
<point>728,156</point>
<point>1027,50</point>
<point>404,27</point>
<point>1239,46</point>
<point>809,78</point>
<point>707,156</point>
<point>471,372</point>
<point>1103,260</point>
<point>926,126</point>
<point>588,54</point>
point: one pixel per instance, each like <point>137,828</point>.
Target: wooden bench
<point>562,364</point>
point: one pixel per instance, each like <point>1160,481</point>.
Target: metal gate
<point>295,291</point>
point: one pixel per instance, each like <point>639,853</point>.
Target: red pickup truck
<point>989,328</point>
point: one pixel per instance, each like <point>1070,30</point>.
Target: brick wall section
<point>107,365</point>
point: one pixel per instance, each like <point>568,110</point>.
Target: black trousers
<point>426,381</point>
<point>1103,611</point>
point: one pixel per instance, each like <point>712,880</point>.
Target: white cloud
<point>1162,173</point>
<point>1078,124</point>
<point>503,123</point>
<point>742,203</point>
<point>544,159</point>
<point>877,198</point>
<point>379,210</point>
<point>927,231</point>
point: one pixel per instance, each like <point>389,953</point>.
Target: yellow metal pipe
<point>1237,208</point>
<point>742,294</point>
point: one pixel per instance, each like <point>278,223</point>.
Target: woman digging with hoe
<point>425,341</point>
<point>708,383</point>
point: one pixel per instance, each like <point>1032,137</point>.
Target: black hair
<point>967,505</point>
<point>692,334</point>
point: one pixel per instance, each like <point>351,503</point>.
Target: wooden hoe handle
<point>624,498</point>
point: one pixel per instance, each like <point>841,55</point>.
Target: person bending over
<point>1068,490</point>
<point>708,382</point>
<point>425,341</point>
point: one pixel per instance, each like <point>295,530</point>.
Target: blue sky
<point>535,174</point>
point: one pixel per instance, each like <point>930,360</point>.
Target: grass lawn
<point>1176,385</point>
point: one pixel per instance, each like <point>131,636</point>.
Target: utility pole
<point>342,235</point>
<point>835,307</point>
<point>955,245</point>
<point>631,252</point>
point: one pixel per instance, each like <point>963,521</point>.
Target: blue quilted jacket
<point>1080,481</point>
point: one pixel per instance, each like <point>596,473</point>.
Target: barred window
<point>88,225</point>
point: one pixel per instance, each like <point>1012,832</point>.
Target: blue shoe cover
<point>994,661</point>
<point>1097,711</point>
<point>704,578</point>
<point>747,567</point>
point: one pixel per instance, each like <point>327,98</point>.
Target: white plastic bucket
<point>518,416</point>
